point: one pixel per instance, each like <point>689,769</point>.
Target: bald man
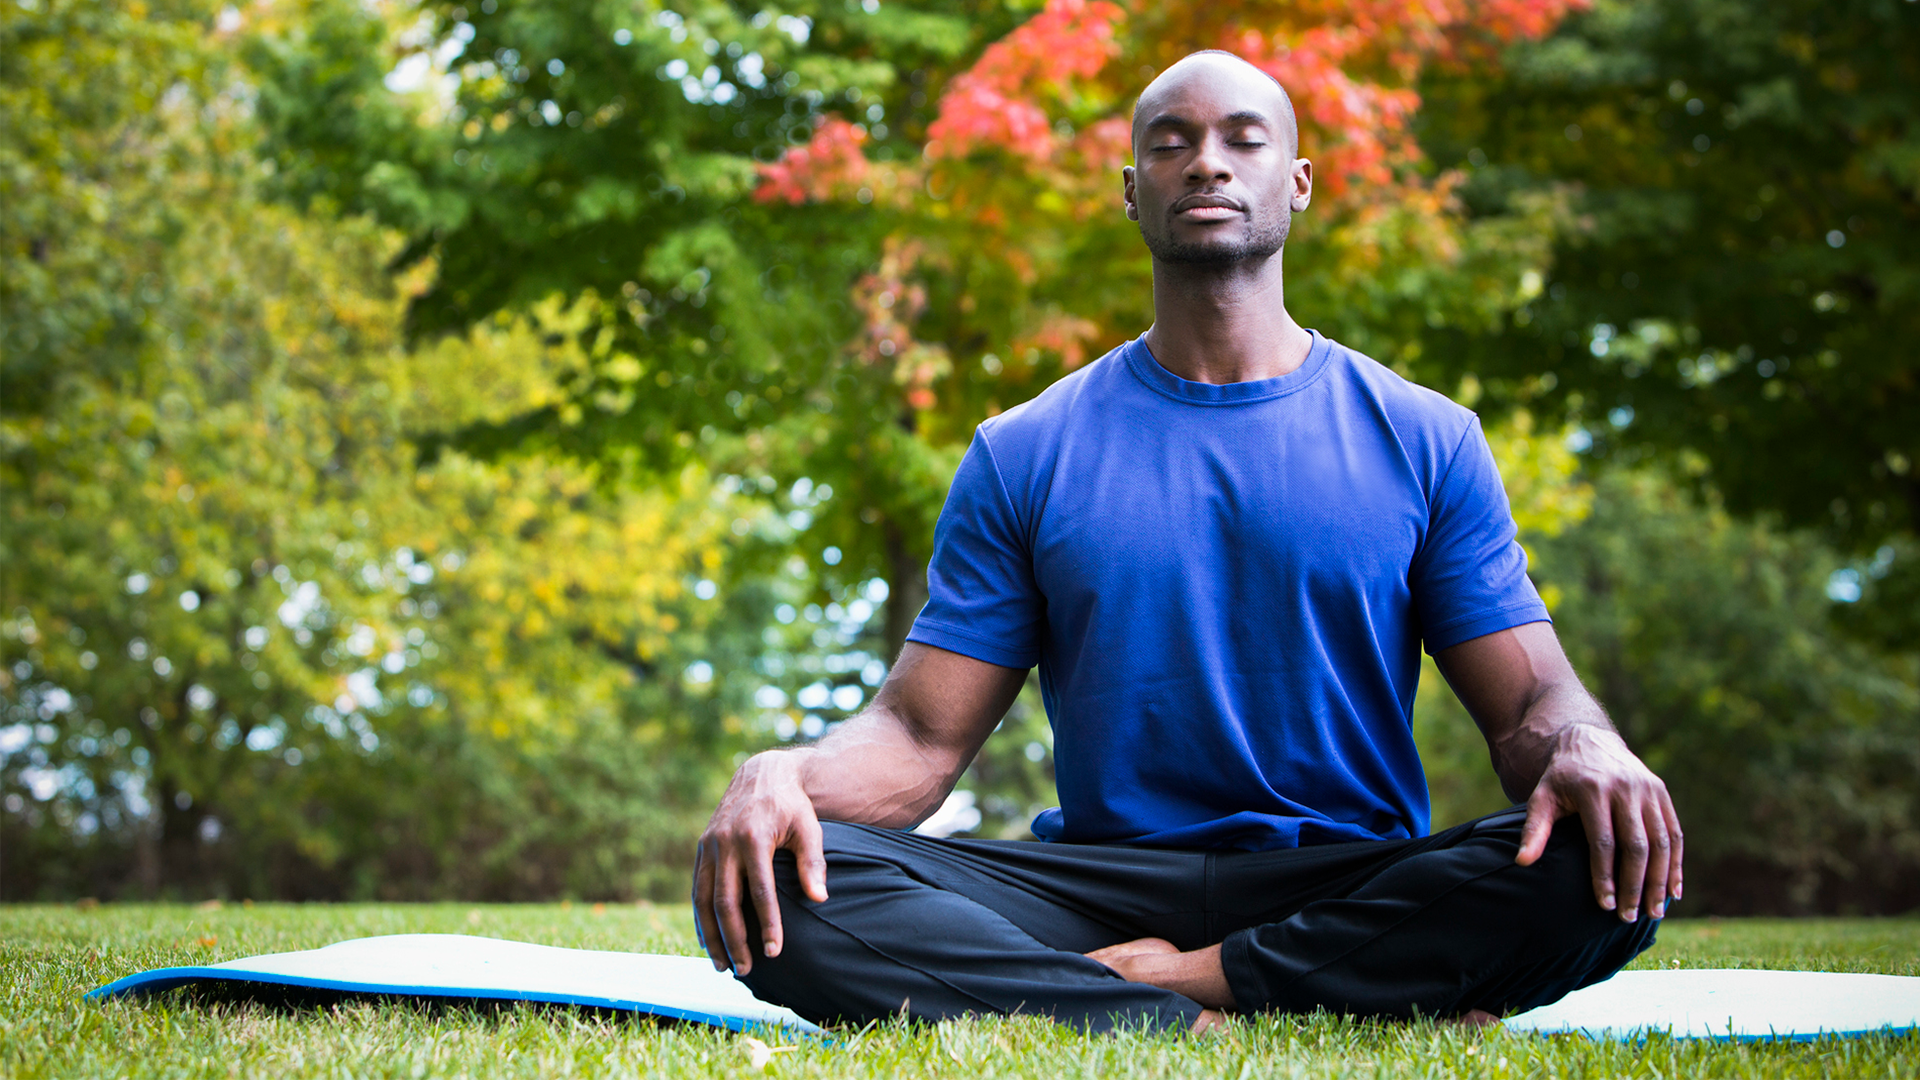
<point>1224,544</point>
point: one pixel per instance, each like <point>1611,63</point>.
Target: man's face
<point>1216,181</point>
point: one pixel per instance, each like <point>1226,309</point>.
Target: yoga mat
<point>460,966</point>
<point>1712,1003</point>
<point>1687,1004</point>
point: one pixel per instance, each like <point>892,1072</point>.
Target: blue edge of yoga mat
<point>1744,1005</point>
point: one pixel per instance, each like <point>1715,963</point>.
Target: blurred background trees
<point>1734,292</point>
<point>440,438</point>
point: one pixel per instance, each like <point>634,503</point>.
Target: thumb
<point>1542,811</point>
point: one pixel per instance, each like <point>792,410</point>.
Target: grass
<point>50,955</point>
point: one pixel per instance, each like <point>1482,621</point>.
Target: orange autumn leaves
<point>831,165</point>
<point>997,103</point>
<point>1349,65</point>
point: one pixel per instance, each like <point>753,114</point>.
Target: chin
<point>1189,253</point>
<point>1253,246</point>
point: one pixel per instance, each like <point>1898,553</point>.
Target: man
<point>1224,545</point>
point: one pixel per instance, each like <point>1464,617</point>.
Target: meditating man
<point>1224,544</point>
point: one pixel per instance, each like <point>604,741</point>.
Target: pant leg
<point>1433,927</point>
<point>944,928</point>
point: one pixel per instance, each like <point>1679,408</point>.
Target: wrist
<point>798,765</point>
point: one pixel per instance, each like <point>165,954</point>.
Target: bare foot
<point>1474,1019</point>
<point>1112,955</point>
<point>1210,1020</point>
<point>1157,962</point>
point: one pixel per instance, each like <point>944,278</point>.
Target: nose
<point>1209,163</point>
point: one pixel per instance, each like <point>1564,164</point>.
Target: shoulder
<point>1418,415</point>
<point>1408,400</point>
<point>1072,399</point>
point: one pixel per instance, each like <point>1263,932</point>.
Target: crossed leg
<point>1440,926</point>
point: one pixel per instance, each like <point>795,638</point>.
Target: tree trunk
<point>146,855</point>
<point>906,588</point>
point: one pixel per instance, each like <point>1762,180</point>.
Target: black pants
<point>1431,927</point>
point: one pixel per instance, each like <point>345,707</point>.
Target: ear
<point>1302,185</point>
<point>1126,193</point>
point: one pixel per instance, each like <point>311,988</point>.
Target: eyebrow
<point>1174,120</point>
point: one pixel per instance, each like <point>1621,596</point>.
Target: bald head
<point>1225,73</point>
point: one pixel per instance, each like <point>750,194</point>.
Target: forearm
<point>1555,750</point>
<point>872,770</point>
<point>893,764</point>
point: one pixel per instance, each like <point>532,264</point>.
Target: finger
<point>726,909</point>
<point>766,903</point>
<point>1659,859</point>
<point>810,855</point>
<point>1675,855</point>
<point>1542,810</point>
<point>1599,826</point>
<point>1630,833</point>
<point>709,928</point>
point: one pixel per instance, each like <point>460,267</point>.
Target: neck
<point>1224,324</point>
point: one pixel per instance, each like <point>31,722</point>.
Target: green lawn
<point>49,956</point>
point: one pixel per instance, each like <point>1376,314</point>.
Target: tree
<point>1734,292</point>
<point>600,148</point>
<point>250,644</point>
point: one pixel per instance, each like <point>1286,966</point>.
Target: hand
<point>1633,832</point>
<point>766,808</point>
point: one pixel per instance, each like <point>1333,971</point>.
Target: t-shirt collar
<point>1147,369</point>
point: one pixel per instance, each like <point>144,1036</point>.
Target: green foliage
<point>50,956</point>
<point>82,88</point>
<point>251,645</point>
<point>1735,290</point>
<point>610,149</point>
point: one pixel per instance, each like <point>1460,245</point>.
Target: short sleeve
<point>1469,578</point>
<point>982,601</point>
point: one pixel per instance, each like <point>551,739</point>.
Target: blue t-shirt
<point>1226,588</point>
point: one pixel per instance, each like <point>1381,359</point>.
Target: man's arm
<point>1554,747</point>
<point>890,766</point>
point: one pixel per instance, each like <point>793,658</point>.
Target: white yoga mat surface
<point>460,966</point>
<point>1732,1004</point>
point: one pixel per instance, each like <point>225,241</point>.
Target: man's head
<point>1216,178</point>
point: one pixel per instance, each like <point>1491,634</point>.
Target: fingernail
<point>1659,911</point>
<point>1607,901</point>
<point>1630,915</point>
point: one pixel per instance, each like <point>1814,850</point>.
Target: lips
<point>1207,207</point>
